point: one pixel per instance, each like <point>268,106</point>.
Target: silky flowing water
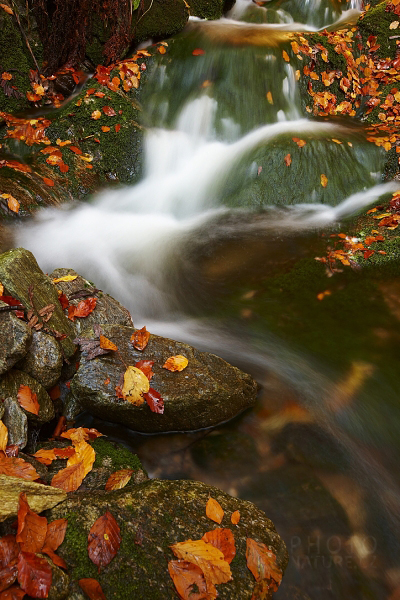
<point>216,247</point>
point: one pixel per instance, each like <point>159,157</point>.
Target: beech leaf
<point>135,385</point>
<point>31,527</point>
<point>83,309</point>
<point>146,366</point>
<point>28,399</point>
<point>9,550</point>
<point>223,540</point>
<point>70,478</point>
<point>155,401</point>
<point>104,540</point>
<point>3,436</point>
<point>34,574</point>
<point>44,456</point>
<point>176,363</point>
<point>7,577</point>
<point>214,510</point>
<point>140,338</point>
<point>18,468</point>
<point>119,479</point>
<point>208,558</point>
<point>92,588</point>
<point>12,593</point>
<point>83,453</point>
<point>55,534</point>
<point>190,582</point>
<point>262,563</point>
<point>235,517</point>
<point>107,344</point>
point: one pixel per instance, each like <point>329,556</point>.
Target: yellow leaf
<point>270,98</point>
<point>3,436</point>
<point>285,55</point>
<point>324,180</point>
<point>394,25</point>
<point>135,385</point>
<point>208,558</point>
<point>83,453</point>
<point>96,114</point>
<point>176,363</point>
<point>65,278</point>
<point>107,344</point>
<point>12,203</point>
<point>214,510</point>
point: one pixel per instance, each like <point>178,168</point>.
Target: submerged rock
<point>207,392</point>
<point>151,517</point>
<point>44,359</point>
<point>15,339</point>
<point>9,386</point>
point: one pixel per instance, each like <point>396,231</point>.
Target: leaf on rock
<point>107,344</point>
<point>119,479</point>
<point>28,399</point>
<point>8,576</point>
<point>9,551</point>
<point>57,560</point>
<point>17,467</point>
<point>55,534</point>
<point>155,401</point>
<point>146,366</point>
<point>324,180</point>
<point>104,540</point>
<point>3,436</point>
<point>235,517</point>
<point>140,338</point>
<point>34,574</point>
<point>83,309</point>
<point>214,510</point>
<point>262,563</point>
<point>208,558</point>
<point>92,588</point>
<point>12,593</point>
<point>83,453</point>
<point>87,434</point>
<point>65,277</point>
<point>190,582</point>
<point>223,540</point>
<point>288,160</point>
<point>31,527</point>
<point>176,363</point>
<point>135,385</point>
<point>44,456</point>
<point>109,111</point>
<point>64,452</point>
<point>70,478</point>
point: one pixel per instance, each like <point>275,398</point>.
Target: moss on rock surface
<point>153,516</point>
<point>206,9</point>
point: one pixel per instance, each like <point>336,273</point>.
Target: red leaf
<point>75,149</point>
<point>11,301</point>
<point>9,550</point>
<point>13,593</point>
<point>84,308</point>
<point>146,367</point>
<point>55,534</point>
<point>7,577</point>
<point>48,181</point>
<point>31,528</point>
<point>198,52</point>
<point>17,467</point>
<point>64,452</point>
<point>140,338</point>
<point>223,540</point>
<point>109,111</point>
<point>155,401</point>
<point>92,588</point>
<point>104,540</point>
<point>187,578</point>
<point>34,574</point>
<point>28,399</point>
<point>57,560</point>
<point>63,301</point>
<point>368,253</point>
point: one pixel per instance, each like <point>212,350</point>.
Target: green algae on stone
<point>153,516</point>
<point>206,9</point>
<point>376,22</point>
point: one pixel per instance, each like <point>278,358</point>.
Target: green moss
<point>376,22</point>
<point>75,548</point>
<point>206,9</point>
<point>121,457</point>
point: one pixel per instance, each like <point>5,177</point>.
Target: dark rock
<point>18,271</point>
<point>226,453</point>
<point>107,309</point>
<point>44,359</point>
<point>152,516</point>
<point>59,583</point>
<point>15,339</point>
<point>207,392</point>
<point>16,422</point>
<point>159,19</point>
<point>206,9</point>
<point>9,386</point>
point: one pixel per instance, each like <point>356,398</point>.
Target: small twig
<point>121,359</point>
<point>8,308</point>
<point>24,36</point>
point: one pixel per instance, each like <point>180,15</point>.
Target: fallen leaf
<point>7,9</point>
<point>146,367</point>
<point>119,479</point>
<point>64,452</point>
<point>223,540</point>
<point>87,434</point>
<point>270,98</point>
<point>12,593</point>
<point>161,50</point>
<point>140,338</point>
<point>17,467</point>
<point>34,574</point>
<point>135,385</point>
<point>92,588</point>
<point>262,563</point>
<point>189,581</point>
<point>55,534</point>
<point>117,127</point>
<point>208,558</point>
<point>8,576</point>
<point>45,456</point>
<point>105,128</point>
<point>285,56</point>
<point>28,399</point>
<point>104,540</point>
<point>83,453</point>
<point>83,309</point>
<point>70,478</point>
<point>9,551</point>
<point>109,111</point>
<point>12,202</point>
<point>176,363</point>
<point>107,344</point>
<point>3,436</point>
<point>96,114</point>
<point>324,180</point>
<point>235,517</point>
<point>31,527</point>
<point>214,510</point>
<point>65,277</point>
<point>155,401</point>
<point>288,160</point>
<point>198,52</point>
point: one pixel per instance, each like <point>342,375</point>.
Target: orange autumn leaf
<point>214,510</point>
<point>83,453</point>
<point>17,467</point>
<point>119,479</point>
<point>109,111</point>
<point>117,127</point>
<point>32,528</point>
<point>176,363</point>
<point>34,574</point>
<point>146,366</point>
<point>105,128</point>
<point>223,540</point>
<point>7,9</point>
<point>208,558</point>
<point>55,535</point>
<point>198,52</point>
<point>76,150</point>
<point>14,592</point>
<point>64,453</point>
<point>88,434</point>
<point>262,563</point>
<point>28,399</point>
<point>104,540</point>
<point>189,581</point>
<point>161,50</point>
<point>107,344</point>
<point>324,180</point>
<point>285,56</point>
<point>3,436</point>
<point>288,160</point>
<point>96,114</point>
<point>44,456</point>
<point>235,517</point>
<point>12,202</point>
<point>299,142</point>
<point>92,588</point>
<point>140,338</point>
<point>70,478</point>
<point>48,181</point>
<point>83,309</point>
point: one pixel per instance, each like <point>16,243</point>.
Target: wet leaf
<point>9,550</point>
<point>83,309</point>
<point>55,534</point>
<point>87,434</point>
<point>119,479</point>
<point>70,478</point>
<point>189,581</point>
<point>155,401</point>
<point>34,574</point>
<point>65,277</point>
<point>83,453</point>
<point>3,436</point>
<point>28,399</point>
<point>140,338</point>
<point>12,593</point>
<point>214,510</point>
<point>146,367</point>
<point>208,558</point>
<point>324,180</point>
<point>285,56</point>
<point>96,114</point>
<point>104,540</point>
<point>44,456</point>
<point>92,588</point>
<point>12,202</point>
<point>235,517</point>
<point>48,181</point>
<point>75,150</point>
<point>223,540</point>
<point>107,344</point>
<point>135,385</point>
<point>31,527</point>
<point>288,160</point>
<point>109,111</point>
<point>176,363</point>
<point>262,563</point>
<point>7,9</point>
<point>17,467</point>
<point>8,576</point>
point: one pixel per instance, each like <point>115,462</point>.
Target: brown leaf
<point>28,399</point>
<point>119,479</point>
<point>146,367</point>
<point>70,478</point>
<point>12,593</point>
<point>55,534</point>
<point>223,540</point>
<point>83,309</point>
<point>176,363</point>
<point>17,467</point>
<point>104,540</point>
<point>44,456</point>
<point>34,574</point>
<point>9,550</point>
<point>155,401</point>
<point>208,558</point>
<point>140,338</point>
<point>214,510</point>
<point>190,582</point>
<point>235,517</point>
<point>92,588</point>
<point>7,577</point>
<point>31,527</point>
<point>109,111</point>
<point>57,560</point>
<point>107,344</point>
<point>3,436</point>
<point>262,563</point>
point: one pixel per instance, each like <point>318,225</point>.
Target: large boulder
<point>9,387</point>
<point>207,392</point>
<point>44,359</point>
<point>16,421</point>
<point>151,517</point>
<point>15,339</point>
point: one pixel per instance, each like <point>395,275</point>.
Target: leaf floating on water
<point>155,401</point>
<point>140,338</point>
<point>119,479</point>
<point>104,540</point>
<point>135,385</point>
<point>34,574</point>
<point>28,399</point>
<point>214,510</point>
<point>107,344</point>
<point>262,563</point>
<point>189,581</point>
<point>70,478</point>
<point>92,588</point>
<point>223,540</point>
<point>324,180</point>
<point>3,436</point>
<point>208,558</point>
<point>235,517</point>
<point>176,363</point>
<point>65,277</point>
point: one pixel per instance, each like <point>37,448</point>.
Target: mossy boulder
<point>16,421</point>
<point>152,516</point>
<point>206,9</point>
<point>43,360</point>
<point>377,22</point>
<point>207,392</point>
<point>15,339</point>
<point>9,386</point>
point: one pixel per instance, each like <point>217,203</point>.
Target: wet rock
<point>159,19</point>
<point>59,583</point>
<point>9,386</point>
<point>44,359</point>
<point>16,422</point>
<point>18,271</point>
<point>153,516</point>
<point>206,9</point>
<point>107,309</point>
<point>40,497</point>
<point>15,339</point>
<point>207,392</point>
<point>226,453</point>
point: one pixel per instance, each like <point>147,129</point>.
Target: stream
<point>216,247</point>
